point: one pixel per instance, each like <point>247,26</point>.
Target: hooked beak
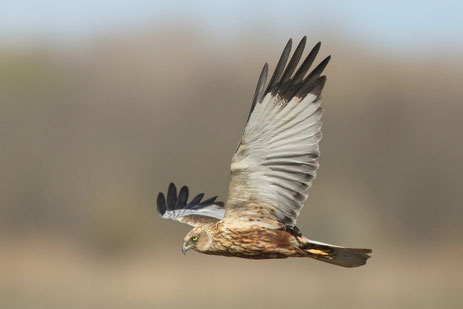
<point>185,248</point>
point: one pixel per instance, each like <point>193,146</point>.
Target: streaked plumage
<point>271,172</point>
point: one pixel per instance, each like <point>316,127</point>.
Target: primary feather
<point>194,212</point>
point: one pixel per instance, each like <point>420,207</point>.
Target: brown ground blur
<point>90,136</point>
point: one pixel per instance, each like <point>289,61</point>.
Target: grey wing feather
<point>276,159</point>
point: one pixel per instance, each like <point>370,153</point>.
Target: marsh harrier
<point>271,173</point>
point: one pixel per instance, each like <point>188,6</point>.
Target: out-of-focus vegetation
<point>89,137</point>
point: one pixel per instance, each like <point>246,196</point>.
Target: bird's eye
<point>194,238</point>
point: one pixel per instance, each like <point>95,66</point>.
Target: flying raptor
<point>271,172</point>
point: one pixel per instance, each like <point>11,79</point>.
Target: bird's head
<point>198,239</point>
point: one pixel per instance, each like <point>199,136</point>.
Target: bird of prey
<point>271,172</point>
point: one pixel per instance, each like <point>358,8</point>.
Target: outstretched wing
<point>194,213</point>
<point>276,160</point>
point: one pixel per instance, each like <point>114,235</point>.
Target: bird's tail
<point>346,257</point>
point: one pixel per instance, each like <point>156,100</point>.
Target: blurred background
<point>103,103</point>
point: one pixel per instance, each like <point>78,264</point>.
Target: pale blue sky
<point>403,24</point>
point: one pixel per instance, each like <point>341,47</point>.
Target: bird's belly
<point>250,252</point>
<point>255,243</point>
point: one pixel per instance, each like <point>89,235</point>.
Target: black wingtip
<point>171,196</point>
<point>313,79</point>
<point>293,63</point>
<point>174,202</point>
<point>319,69</point>
<point>327,59</point>
<point>208,201</point>
<point>286,84</point>
<point>290,43</point>
<point>260,85</point>
<point>318,88</point>
<point>306,64</point>
<point>287,49</point>
<point>161,201</point>
<point>182,197</point>
<point>196,200</point>
<point>280,67</point>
